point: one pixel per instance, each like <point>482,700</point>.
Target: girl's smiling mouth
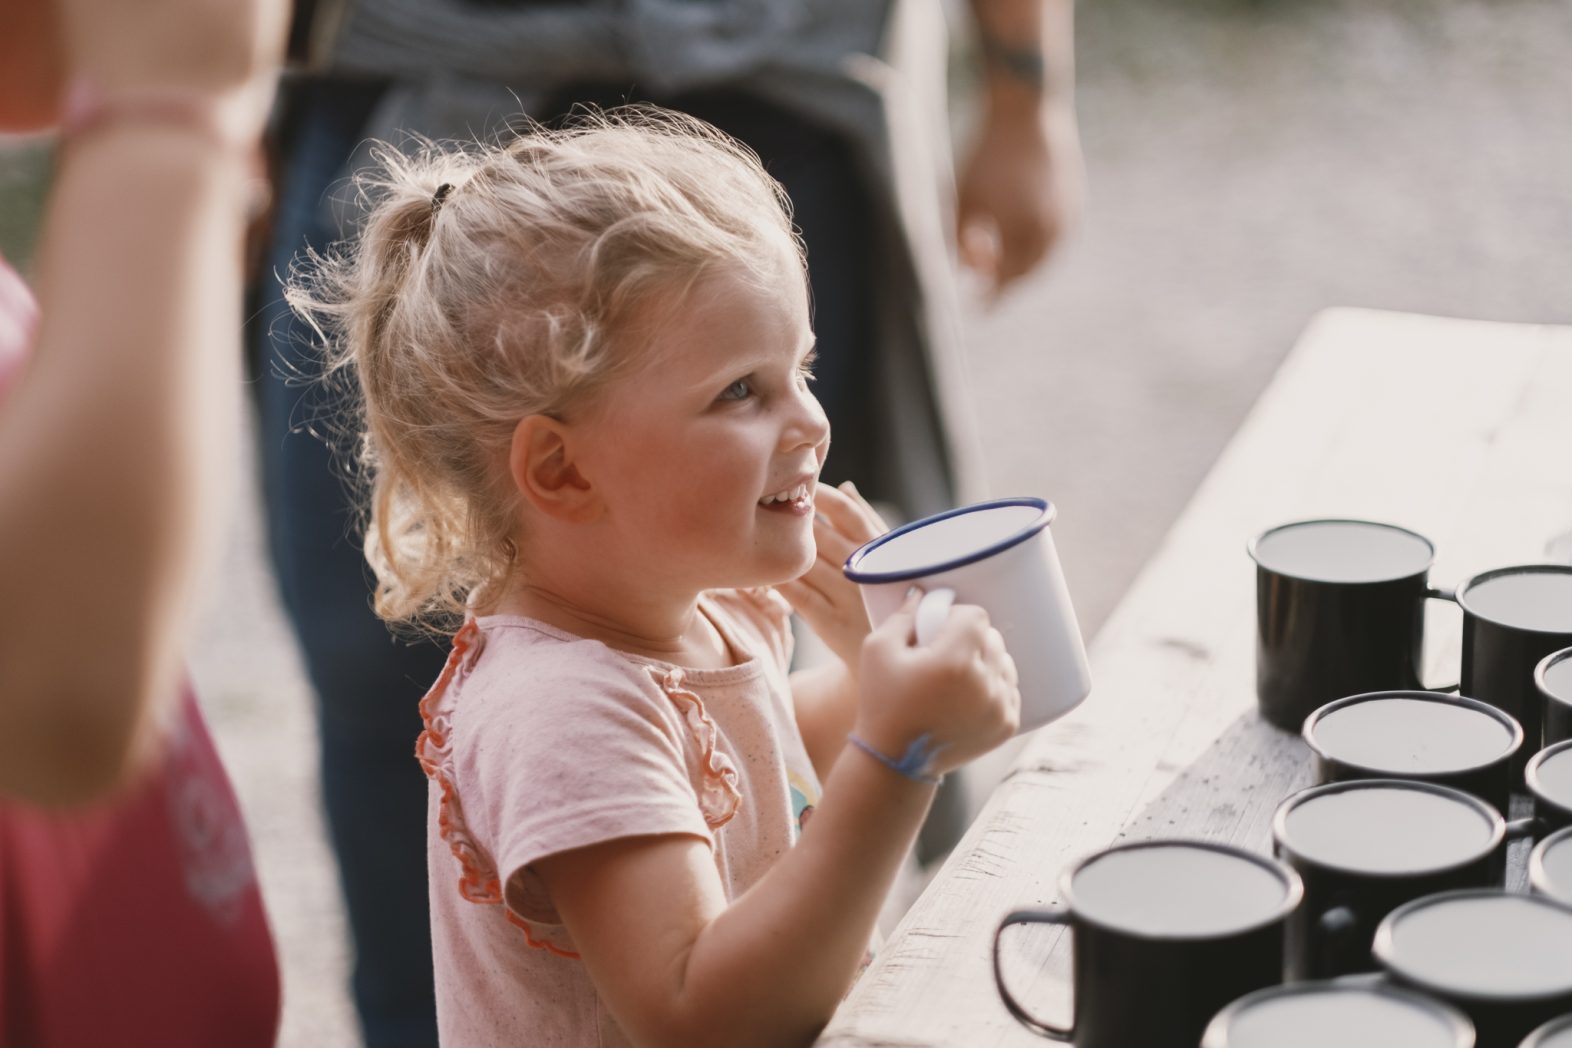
<point>797,499</point>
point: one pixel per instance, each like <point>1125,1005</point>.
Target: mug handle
<point>1442,593</point>
<point>1057,915</point>
<point>1526,828</point>
<point>1335,930</point>
<point>932,612</point>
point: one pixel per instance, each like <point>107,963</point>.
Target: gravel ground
<point>1249,164</point>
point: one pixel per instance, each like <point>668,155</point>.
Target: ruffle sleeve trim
<point>719,794</point>
<point>478,881</point>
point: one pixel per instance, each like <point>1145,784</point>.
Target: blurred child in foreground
<point>129,909</point>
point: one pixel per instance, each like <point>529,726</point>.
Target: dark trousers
<point>367,683</point>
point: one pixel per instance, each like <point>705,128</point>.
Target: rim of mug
<point>1462,1027</point>
<point>1047,512</point>
<point>1536,1036</point>
<point>1381,946</point>
<point>1479,804</point>
<point>1293,894</point>
<point>1543,669</point>
<point>1500,715</point>
<point>1531,774</point>
<point>1538,878</point>
<point>1254,544</point>
<point>1463,590</point>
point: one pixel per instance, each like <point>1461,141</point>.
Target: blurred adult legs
<point>367,684</point>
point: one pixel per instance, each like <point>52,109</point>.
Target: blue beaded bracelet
<point>913,764</point>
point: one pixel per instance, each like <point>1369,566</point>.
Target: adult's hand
<point>1021,185</point>
<point>1019,192</point>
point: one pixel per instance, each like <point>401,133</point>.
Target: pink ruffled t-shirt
<point>539,742</point>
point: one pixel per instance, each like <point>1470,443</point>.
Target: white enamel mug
<point>998,555</point>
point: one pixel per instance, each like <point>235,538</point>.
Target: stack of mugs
<point>1383,917</point>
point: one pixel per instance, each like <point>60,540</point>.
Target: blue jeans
<point>367,684</point>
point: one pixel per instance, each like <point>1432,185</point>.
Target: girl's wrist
<point>223,120</point>
<point>168,128</point>
<point>914,762</point>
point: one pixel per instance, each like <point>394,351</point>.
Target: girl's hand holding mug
<point>958,693</point>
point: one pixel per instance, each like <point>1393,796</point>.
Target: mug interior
<point>1554,676</point>
<point>1557,1033</point>
<point>1532,597</point>
<point>1481,944</point>
<point>1549,774</point>
<point>948,540</point>
<point>1411,733</point>
<point>1550,867</point>
<point>1180,889</point>
<point>1387,827</point>
<point>1346,551</point>
<point>1313,1015</point>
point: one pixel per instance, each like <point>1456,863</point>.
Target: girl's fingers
<point>853,517</point>
<point>999,656</point>
<point>803,598</point>
<point>811,586</point>
<point>826,577</point>
<point>899,630</point>
<point>834,546</point>
<point>964,630</point>
<point>869,514</point>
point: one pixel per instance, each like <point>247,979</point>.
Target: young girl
<point>584,360</point>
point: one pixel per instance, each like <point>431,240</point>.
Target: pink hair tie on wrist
<point>86,109</point>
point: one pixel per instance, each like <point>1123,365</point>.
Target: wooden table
<point>1461,430</point>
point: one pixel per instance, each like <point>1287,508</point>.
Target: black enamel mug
<point>1339,611</point>
<point>1557,1033</point>
<point>1427,736</point>
<point>1512,619</point>
<point>1365,848</point>
<point>1503,959</point>
<point>1340,1013</point>
<point>1549,781</point>
<point>1164,933</point>
<point>1550,866</point>
<point>1553,681</point>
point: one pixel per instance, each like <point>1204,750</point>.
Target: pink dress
<point>137,920</point>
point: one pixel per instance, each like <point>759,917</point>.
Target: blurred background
<point>1249,164</point>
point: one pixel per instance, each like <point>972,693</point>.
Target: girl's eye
<point>805,369</point>
<point>738,390</point>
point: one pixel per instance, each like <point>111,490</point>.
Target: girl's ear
<point>544,472</point>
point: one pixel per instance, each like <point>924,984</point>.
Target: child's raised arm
<point>679,966</point>
<point>115,441</point>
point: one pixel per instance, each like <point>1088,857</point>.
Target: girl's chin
<point>805,560</point>
<point>783,569</point>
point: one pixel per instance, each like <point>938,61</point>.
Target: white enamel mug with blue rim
<point>998,555</point>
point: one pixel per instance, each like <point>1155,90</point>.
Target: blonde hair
<point>490,282</point>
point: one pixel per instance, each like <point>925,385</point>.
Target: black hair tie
<point>439,196</point>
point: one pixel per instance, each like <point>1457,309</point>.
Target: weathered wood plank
<point>1458,429</point>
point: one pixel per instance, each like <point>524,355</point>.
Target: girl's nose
<point>808,426</point>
